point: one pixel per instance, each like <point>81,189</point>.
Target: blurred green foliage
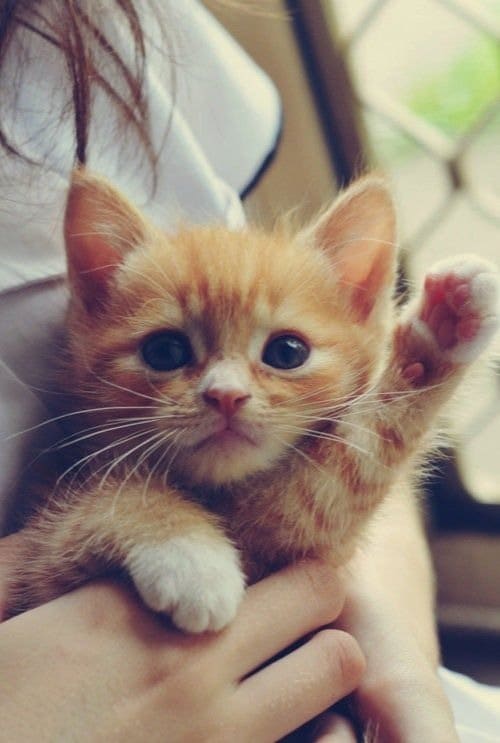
<point>454,99</point>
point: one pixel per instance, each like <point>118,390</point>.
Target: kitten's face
<point>235,346</point>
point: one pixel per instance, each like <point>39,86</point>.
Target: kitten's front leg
<point>176,553</point>
<point>438,336</point>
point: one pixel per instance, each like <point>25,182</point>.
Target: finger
<point>333,728</point>
<point>279,610</point>
<point>301,685</point>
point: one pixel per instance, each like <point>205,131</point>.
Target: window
<point>415,88</point>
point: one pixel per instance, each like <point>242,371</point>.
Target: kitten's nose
<point>226,400</point>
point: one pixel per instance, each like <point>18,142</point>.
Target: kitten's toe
<point>452,321</point>
<point>459,306</point>
<point>199,583</point>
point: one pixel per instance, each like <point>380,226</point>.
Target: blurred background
<point>412,89</point>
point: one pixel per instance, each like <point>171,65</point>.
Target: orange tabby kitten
<point>244,399</point>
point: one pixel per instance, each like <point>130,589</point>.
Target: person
<point>158,98</point>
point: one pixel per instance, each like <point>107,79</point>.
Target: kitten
<point>239,400</point>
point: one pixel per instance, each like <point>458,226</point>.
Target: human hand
<point>96,665</point>
<point>389,609</point>
<point>400,696</point>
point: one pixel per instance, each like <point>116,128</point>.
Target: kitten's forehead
<point>228,286</point>
<point>242,274</point>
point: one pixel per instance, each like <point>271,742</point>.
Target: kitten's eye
<point>167,350</point>
<point>285,352</point>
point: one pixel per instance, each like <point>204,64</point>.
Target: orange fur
<point>330,438</point>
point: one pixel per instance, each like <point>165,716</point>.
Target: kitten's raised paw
<point>458,311</point>
<point>460,306</point>
<point>199,583</point>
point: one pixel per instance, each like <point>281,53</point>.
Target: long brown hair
<point>75,28</point>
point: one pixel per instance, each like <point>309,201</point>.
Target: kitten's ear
<point>100,228</point>
<point>359,233</point>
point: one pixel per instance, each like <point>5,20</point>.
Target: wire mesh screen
<point>426,77</point>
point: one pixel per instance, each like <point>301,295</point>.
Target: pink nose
<point>226,401</point>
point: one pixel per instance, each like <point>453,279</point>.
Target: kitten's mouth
<point>227,437</point>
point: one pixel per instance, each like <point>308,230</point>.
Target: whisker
<point>96,472</point>
<point>157,434</point>
<point>294,448</point>
<point>115,385</point>
<point>327,437</point>
<point>341,422</point>
<point>125,420</point>
<point>71,414</point>
<point>166,435</point>
<point>93,455</point>
<point>157,464</point>
<point>96,431</point>
<point>363,403</point>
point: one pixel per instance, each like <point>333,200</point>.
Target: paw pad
<point>460,306</point>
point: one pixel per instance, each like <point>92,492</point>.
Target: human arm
<point>390,610</point>
<point>95,665</point>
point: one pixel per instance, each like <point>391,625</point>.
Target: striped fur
<point>320,446</point>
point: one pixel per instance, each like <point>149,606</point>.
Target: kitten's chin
<point>228,457</point>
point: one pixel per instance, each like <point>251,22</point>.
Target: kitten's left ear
<point>100,228</point>
<point>359,234</point>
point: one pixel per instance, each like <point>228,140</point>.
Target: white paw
<point>198,582</point>
<point>459,309</point>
